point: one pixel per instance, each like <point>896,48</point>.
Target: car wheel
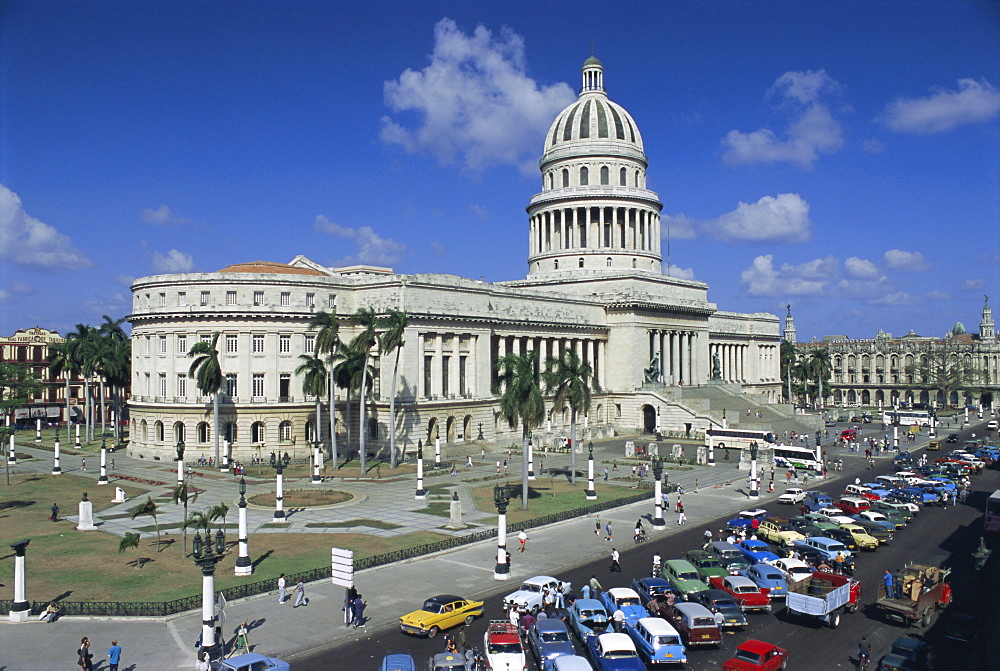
<point>926,619</point>
<point>469,619</point>
<point>834,620</point>
<point>433,632</point>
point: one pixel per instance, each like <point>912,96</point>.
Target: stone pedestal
<point>455,518</point>
<point>702,455</point>
<point>119,496</point>
<point>86,511</point>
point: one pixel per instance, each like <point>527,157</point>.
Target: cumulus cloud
<point>16,290</point>
<point>474,102</point>
<point>811,130</point>
<point>808,279</point>
<point>893,299</point>
<point>781,219</point>
<point>680,273</point>
<point>108,305</point>
<point>861,269</point>
<point>975,101</point>
<point>125,280</point>
<point>679,226</point>
<point>372,248</point>
<point>480,211</point>
<point>973,285</point>
<point>161,216</point>
<point>25,241</point>
<point>173,261</point>
<point>897,259</point>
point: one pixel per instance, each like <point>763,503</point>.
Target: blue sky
<point>839,156</point>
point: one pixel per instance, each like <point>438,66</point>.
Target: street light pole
<point>421,492</point>
<point>316,479</point>
<point>658,522</point>
<point>501,497</point>
<point>20,609</point>
<point>180,462</point>
<point>243,564</point>
<point>206,561</point>
<point>224,466</point>
<point>591,492</point>
<point>754,476</point>
<point>56,469</point>
<point>279,490</point>
<point>531,458</point>
<point>103,479</point>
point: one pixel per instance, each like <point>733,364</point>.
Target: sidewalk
<point>284,632</point>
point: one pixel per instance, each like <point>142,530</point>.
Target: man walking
<point>300,595</point>
<point>522,540</point>
<point>595,587</point>
<point>681,517</point>
<point>615,567</point>
<point>607,529</point>
<point>281,589</point>
<point>55,513</point>
<point>114,656</point>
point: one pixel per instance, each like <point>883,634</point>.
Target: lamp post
<point>206,561</point>
<point>224,466</point>
<point>316,479</point>
<point>501,497</point>
<point>243,564</point>
<point>180,462</point>
<point>531,458</point>
<point>437,450</point>
<point>754,475</point>
<point>38,428</point>
<point>20,609</point>
<point>11,457</point>
<point>279,490</point>
<point>103,479</point>
<point>56,469</point>
<point>421,492</point>
<point>658,522</point>
<point>591,493</point>
<point>932,432</point>
<point>895,437</point>
<point>711,448</point>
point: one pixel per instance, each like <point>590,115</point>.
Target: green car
<point>707,565</point>
<point>683,577</point>
<point>821,521</point>
<point>890,509</point>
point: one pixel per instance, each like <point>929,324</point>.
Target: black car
<point>952,438</point>
<point>725,603</point>
<point>845,538</point>
<point>810,556</point>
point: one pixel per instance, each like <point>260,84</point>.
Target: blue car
<point>649,588</point>
<point>828,548</point>
<point>255,660</point>
<point>614,652</point>
<point>657,642</point>
<point>758,552</point>
<point>917,495</point>
<point>548,639</point>
<point>588,617</point>
<point>627,600</point>
<point>745,518</point>
<point>765,575</point>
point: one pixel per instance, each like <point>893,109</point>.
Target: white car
<point>503,647</point>
<point>529,597</point>
<point>841,519</point>
<point>792,495</point>
<point>830,511</point>
<point>794,570</point>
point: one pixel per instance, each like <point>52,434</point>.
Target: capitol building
<point>595,283</point>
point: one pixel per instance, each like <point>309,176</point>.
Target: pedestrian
<point>681,517</point>
<point>560,597</point>
<point>281,589</point>
<point>696,484</point>
<point>597,527</point>
<point>352,594</point>
<point>888,580</point>
<point>112,463</point>
<point>204,663</point>
<point>83,463</point>
<point>657,563</point>
<point>897,580</point>
<point>468,464</point>
<point>615,567</point>
<point>114,656</point>
<point>84,655</point>
<point>359,611</point>
<point>708,538</point>
<point>378,472</point>
<point>720,619</point>
<point>549,601</point>
<point>300,595</point>
<point>460,639</point>
<point>595,587</point>
<point>607,529</point>
<point>514,618</point>
<point>618,618</point>
<point>614,465</point>
<point>55,512</point>
<point>505,467</point>
<point>498,467</point>
<point>606,474</point>
<point>522,540</point>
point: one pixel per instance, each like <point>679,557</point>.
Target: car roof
<point>550,624</point>
<point>692,609</point>
<point>540,579</point>
<point>588,603</point>
<point>653,582</point>
<point>445,599</point>
<point>657,626</point>
<point>623,593</point>
<point>571,663</point>
<point>246,658</point>
<point>754,645</point>
<point>614,641</point>
<point>791,562</point>
<point>739,581</point>
<point>679,564</point>
<point>762,566</point>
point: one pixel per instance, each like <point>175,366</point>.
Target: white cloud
<point>125,280</point>
<point>372,248</point>
<point>897,259</point>
<point>108,305</point>
<point>938,295</point>
<point>173,261</point>
<point>680,273</point>
<point>438,248</point>
<point>861,269</point>
<point>16,290</point>
<point>480,211</point>
<point>770,219</point>
<point>813,131</point>
<point>973,285</point>
<point>873,146</point>
<point>975,101</point>
<point>679,226</point>
<point>475,102</point>
<point>893,299</point>
<point>161,216</point>
<point>808,279</point>
<point>26,241</point>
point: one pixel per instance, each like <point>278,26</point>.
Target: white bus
<point>737,439</point>
<point>795,457</point>
<point>908,417</point>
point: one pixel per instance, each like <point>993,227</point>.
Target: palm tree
<point>197,520</point>
<point>207,372</point>
<point>314,382</point>
<point>217,511</point>
<point>179,494</point>
<point>521,401</point>
<point>117,363</point>
<point>391,340</point>
<point>62,362</point>
<point>147,507</point>
<point>362,343</point>
<point>789,354</point>
<point>131,540</point>
<point>346,365</point>
<point>80,344</point>
<point>569,380</point>
<point>327,342</point>
<point>819,366</point>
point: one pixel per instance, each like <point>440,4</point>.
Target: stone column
<point>279,494</point>
<point>77,436</point>
<point>502,570</point>
<point>591,493</point>
<point>38,430</point>
<point>421,493</point>
<point>317,462</point>
<point>243,564</point>
<point>103,478</point>
<point>20,608</point>
<point>56,468</point>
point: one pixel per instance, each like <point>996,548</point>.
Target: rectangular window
<point>163,300</point>
<point>231,344</point>
<point>310,344</point>
<point>310,300</point>
<point>286,298</point>
<point>205,297</point>
<point>284,344</point>
<point>182,344</point>
<point>148,389</point>
<point>182,385</point>
<point>258,343</point>
<point>182,298</point>
<point>332,303</point>
<point>206,337</point>
<point>230,298</point>
<point>445,370</point>
<point>428,367</point>
<point>231,385</point>
<point>163,385</point>
<point>258,298</point>
<point>163,344</point>
<point>461,374</point>
<point>284,386</point>
<point>258,385</point>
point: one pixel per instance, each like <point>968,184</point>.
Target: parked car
<point>625,599</point>
<point>724,602</point>
<point>754,655</point>
<point>823,521</point>
<point>860,491</point>
<point>696,624</point>
<point>862,538</point>
<point>394,661</point>
<point>794,570</point>
<point>911,650</point>
<point>757,552</point>
<point>254,661</point>
<point>612,652</point>
<point>952,438</point>
<point>707,565</point>
<point>814,500</point>
<point>549,638</point>
<point>587,617</point>
<point>852,505</point>
<point>650,588</point>
<point>842,537</point>
<point>747,593</point>
<point>777,530</point>
<point>568,663</point>
<point>528,598</point>
<point>683,577</point>
<point>876,517</point>
<point>502,646</point>
<point>450,661</point>
<point>440,612</point>
<point>875,529</point>
<point>767,576</point>
<point>745,518</point>
<point>792,495</point>
<point>827,548</point>
<point>657,641</point>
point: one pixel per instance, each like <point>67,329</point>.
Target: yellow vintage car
<point>440,612</point>
<point>862,539</point>
<point>934,445</point>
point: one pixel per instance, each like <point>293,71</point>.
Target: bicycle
<point>863,661</point>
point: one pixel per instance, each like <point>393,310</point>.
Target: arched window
<point>231,432</point>
<point>555,264</point>
<point>580,262</point>
<point>605,176</point>
<point>285,431</point>
<point>178,432</point>
<point>638,183</point>
<point>203,432</point>
<point>158,431</point>
<point>609,262</point>
<point>373,428</point>
<point>623,177</point>
<point>550,180</point>
<point>565,175</point>
<point>257,432</point>
<point>310,431</point>
<point>144,431</point>
<point>584,177</point>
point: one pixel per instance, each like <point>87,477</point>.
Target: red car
<point>745,591</point>
<point>754,655</point>
<point>852,505</point>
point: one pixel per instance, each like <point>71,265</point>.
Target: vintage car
<point>852,505</point>
<point>843,537</point>
<point>683,577</point>
<point>568,663</point>
<point>862,538</point>
<point>451,661</point>
<point>696,624</point>
<point>625,599</point>
<point>778,531</point>
<point>815,500</point>
<point>657,642</point>
<point>549,638</point>
<point>401,661</point>
<point>587,617</point>
<point>707,564</point>
<point>910,652</point>
<point>754,655</point>
<point>952,438</point>
<point>528,599</point>
<point>502,646</point>
<point>877,518</point>
<point>253,661</point>
<point>767,576</point>
<point>734,617</point>
<point>612,652</point>
<point>827,548</point>
<point>818,520</point>
<point>652,588</point>
<point>792,495</point>
<point>745,518</point>
<point>758,552</point>
<point>745,591</point>
<point>860,491</point>
<point>440,612</point>
<point>875,529</point>
<point>794,570</point>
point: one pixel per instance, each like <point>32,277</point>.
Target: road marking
<point>476,566</point>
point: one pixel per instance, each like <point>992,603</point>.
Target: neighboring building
<point>30,347</point>
<point>886,370</point>
<point>594,284</point>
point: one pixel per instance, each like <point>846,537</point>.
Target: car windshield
<point>432,607</point>
<point>748,656</point>
<point>687,575</point>
<point>555,636</point>
<point>627,601</point>
<point>835,547</point>
<point>659,590</point>
<point>745,589</point>
<point>619,654</point>
<point>667,640</point>
<point>593,616</point>
<point>529,587</point>
<point>703,622</point>
<point>710,563</point>
<point>725,603</point>
<point>505,649</point>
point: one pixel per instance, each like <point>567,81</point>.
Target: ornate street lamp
<point>421,492</point>
<point>279,490</point>
<point>591,492</point>
<point>501,497</point>
<point>658,522</point>
<point>316,479</point>
<point>206,561</point>
<point>243,564</point>
<point>224,466</point>
<point>20,608</point>
<point>103,479</point>
<point>56,468</point>
<point>180,462</point>
<point>11,457</point>
<point>38,429</point>
<point>754,476</point>
<point>531,457</point>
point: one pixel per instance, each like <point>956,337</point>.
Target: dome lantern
<point>593,77</point>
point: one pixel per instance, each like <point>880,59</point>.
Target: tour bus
<point>908,417</point>
<point>737,439</point>
<point>991,521</point>
<point>795,457</point>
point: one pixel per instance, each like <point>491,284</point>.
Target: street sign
<point>342,567</point>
